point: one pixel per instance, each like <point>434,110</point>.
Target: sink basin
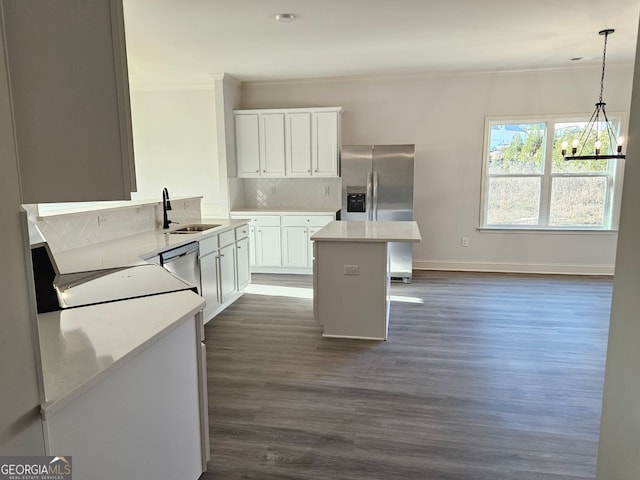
<point>195,228</point>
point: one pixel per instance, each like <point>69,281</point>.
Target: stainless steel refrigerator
<point>377,185</point>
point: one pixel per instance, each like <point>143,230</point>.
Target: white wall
<point>175,144</point>
<point>444,116</point>
<point>620,426</point>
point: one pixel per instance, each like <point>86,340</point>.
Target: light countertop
<point>81,346</point>
<point>133,249</point>
<point>340,231</point>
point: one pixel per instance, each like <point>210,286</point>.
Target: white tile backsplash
<point>73,230</point>
<point>291,193</point>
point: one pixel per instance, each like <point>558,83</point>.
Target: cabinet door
<point>67,68</point>
<point>209,281</point>
<point>243,273</point>
<point>325,144</point>
<point>252,246</point>
<point>268,247</point>
<point>294,246</point>
<point>310,231</point>
<point>227,272</point>
<point>248,145</point>
<point>272,145</point>
<point>299,144</point>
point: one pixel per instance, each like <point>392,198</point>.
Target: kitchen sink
<point>195,228</point>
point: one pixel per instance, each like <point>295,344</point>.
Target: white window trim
<point>614,188</point>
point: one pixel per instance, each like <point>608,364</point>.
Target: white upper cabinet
<point>272,143</point>
<point>288,142</point>
<point>299,144</point>
<point>260,144</point>
<point>67,68</point>
<point>248,145</point>
<point>325,144</point>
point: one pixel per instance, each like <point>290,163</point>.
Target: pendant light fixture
<point>598,117</point>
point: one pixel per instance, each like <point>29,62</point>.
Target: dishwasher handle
<point>175,253</point>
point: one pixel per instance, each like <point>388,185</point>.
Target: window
<point>528,184</point>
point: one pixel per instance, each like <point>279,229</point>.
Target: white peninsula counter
<point>351,276</point>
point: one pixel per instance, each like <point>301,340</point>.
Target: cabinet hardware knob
<point>222,254</point>
<point>257,171</point>
<point>264,171</point>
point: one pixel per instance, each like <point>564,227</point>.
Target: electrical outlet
<point>102,220</point>
<point>273,190</point>
<point>464,242</point>
<point>327,190</point>
<point>352,270</point>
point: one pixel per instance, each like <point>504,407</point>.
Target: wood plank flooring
<point>484,376</point>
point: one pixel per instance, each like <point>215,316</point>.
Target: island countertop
<point>341,231</point>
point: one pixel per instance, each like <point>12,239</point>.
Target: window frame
<point>613,175</point>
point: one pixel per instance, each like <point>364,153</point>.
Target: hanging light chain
<point>604,57</point>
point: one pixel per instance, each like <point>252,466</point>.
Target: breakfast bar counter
<point>351,276</point>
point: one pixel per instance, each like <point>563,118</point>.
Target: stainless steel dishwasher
<point>183,261</point>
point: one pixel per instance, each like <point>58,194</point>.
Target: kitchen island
<point>351,276</point>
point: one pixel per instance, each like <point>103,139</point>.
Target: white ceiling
<point>181,42</point>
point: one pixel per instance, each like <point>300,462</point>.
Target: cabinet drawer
<point>242,232</point>
<point>266,220</point>
<point>226,238</point>
<point>208,245</point>
<point>306,220</point>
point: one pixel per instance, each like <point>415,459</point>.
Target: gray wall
<point>444,116</point>
<point>20,426</point>
<point>619,453</point>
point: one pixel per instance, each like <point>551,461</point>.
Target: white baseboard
<point>292,270</point>
<point>543,268</point>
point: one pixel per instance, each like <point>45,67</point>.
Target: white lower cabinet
<point>224,268</point>
<point>310,232</point>
<point>243,263</point>
<point>295,247</point>
<point>282,243</point>
<point>209,282</point>
<point>268,246</point>
<point>227,272</point>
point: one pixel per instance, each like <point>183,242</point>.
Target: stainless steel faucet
<point>166,205</point>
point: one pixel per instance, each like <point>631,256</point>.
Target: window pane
<point>513,201</point>
<point>516,148</point>
<point>578,201</point>
<point>570,131</point>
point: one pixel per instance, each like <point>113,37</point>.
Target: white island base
<point>351,276</point>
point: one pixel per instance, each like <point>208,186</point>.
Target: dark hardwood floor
<point>483,377</point>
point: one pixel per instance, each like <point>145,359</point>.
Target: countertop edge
<point>338,231</point>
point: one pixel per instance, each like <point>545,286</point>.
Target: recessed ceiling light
<point>285,17</point>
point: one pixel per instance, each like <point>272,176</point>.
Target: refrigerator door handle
<point>375,196</point>
<point>368,202</point>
